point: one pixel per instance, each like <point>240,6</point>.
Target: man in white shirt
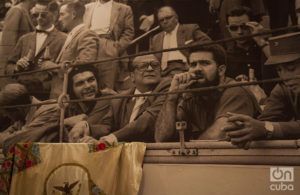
<point>45,43</point>
<point>113,22</point>
<point>174,35</point>
<point>132,119</point>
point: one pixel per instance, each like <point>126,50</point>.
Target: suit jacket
<point>186,34</point>
<point>121,25</point>
<point>117,119</point>
<point>41,126</point>
<point>83,47</point>
<point>54,41</point>
<point>17,23</point>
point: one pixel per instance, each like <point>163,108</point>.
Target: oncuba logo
<point>282,178</point>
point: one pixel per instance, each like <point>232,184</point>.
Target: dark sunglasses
<point>234,27</point>
<point>144,66</point>
<point>165,18</point>
<point>41,14</point>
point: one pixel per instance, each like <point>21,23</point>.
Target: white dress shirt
<point>170,41</point>
<point>40,38</point>
<point>139,101</point>
<point>100,22</point>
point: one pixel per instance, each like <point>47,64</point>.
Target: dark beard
<point>214,82</point>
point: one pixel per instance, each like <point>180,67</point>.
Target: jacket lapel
<point>180,36</point>
<point>115,10</point>
<point>68,42</point>
<point>48,40</point>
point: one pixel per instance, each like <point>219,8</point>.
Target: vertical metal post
<point>62,99</point>
<point>181,127</point>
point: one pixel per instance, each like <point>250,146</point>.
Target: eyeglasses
<point>165,18</point>
<point>234,27</point>
<point>155,65</point>
<point>41,14</point>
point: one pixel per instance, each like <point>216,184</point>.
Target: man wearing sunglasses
<point>174,35</point>
<point>133,119</point>
<point>246,53</point>
<point>34,47</point>
<point>204,112</point>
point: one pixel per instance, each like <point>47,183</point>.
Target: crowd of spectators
<point>47,34</point>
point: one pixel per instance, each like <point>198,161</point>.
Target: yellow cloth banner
<point>66,169</point>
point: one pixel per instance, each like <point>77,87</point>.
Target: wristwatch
<point>270,129</point>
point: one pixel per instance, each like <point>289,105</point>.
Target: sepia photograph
<point>149,97</point>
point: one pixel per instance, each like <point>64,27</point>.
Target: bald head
<point>143,59</point>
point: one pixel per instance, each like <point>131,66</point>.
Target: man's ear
<point>222,69</point>
<point>74,15</point>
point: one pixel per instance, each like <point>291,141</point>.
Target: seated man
<point>204,112</point>
<point>84,84</point>
<point>80,46</point>
<point>43,44</point>
<point>32,123</point>
<point>132,119</point>
<point>281,116</point>
<point>174,35</point>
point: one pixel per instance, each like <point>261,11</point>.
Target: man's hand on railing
<point>73,120</point>
<point>80,130</point>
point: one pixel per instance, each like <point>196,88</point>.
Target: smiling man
<point>133,119</point>
<point>204,112</point>
<point>281,116</point>
<point>84,84</point>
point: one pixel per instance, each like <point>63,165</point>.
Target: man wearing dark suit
<point>17,23</point>
<point>133,119</point>
<point>80,46</point>
<point>174,35</point>
<point>113,22</point>
<point>45,43</point>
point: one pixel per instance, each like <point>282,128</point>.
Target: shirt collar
<point>137,92</point>
<point>174,31</point>
<point>48,29</point>
<point>107,4</point>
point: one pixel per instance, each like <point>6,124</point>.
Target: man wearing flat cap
<point>281,116</point>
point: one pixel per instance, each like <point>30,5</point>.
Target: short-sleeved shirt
<point>202,110</point>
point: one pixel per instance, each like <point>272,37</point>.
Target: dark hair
<point>51,5</point>
<point>14,94</point>
<point>76,6</point>
<point>218,52</point>
<point>79,69</point>
<point>239,11</point>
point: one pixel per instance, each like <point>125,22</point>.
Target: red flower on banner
<point>28,163</point>
<point>12,150</point>
<point>101,146</point>
<point>26,145</point>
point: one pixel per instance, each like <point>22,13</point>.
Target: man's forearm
<point>165,124</point>
<point>284,130</point>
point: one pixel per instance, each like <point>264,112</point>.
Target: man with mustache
<point>204,112</point>
<point>131,119</point>
<point>84,84</point>
<point>281,116</point>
